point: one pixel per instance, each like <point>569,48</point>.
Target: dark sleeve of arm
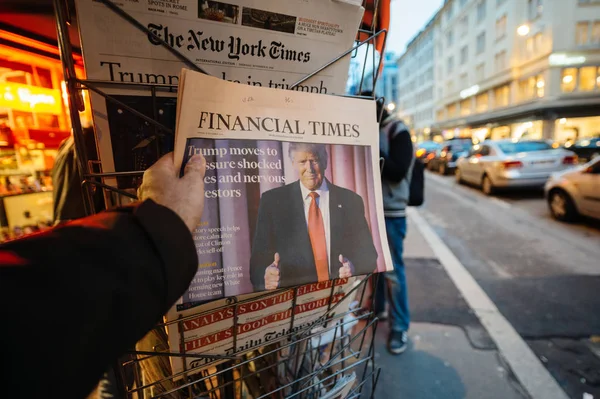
<point>364,255</point>
<point>262,253</point>
<point>397,161</point>
<point>76,297</point>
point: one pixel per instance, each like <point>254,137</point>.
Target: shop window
<point>47,121</point>
<point>587,78</point>
<point>568,80</point>
<point>531,87</point>
<point>481,102</point>
<point>439,115</point>
<point>501,96</point>
<point>540,86</point>
<point>598,78</point>
<point>451,110</point>
<point>45,78</point>
<point>465,107</point>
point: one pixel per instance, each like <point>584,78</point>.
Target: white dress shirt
<point>323,204</point>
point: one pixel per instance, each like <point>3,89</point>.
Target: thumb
<point>195,168</point>
<point>276,259</point>
<point>343,259</point>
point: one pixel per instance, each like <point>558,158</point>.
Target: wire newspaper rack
<point>330,358</point>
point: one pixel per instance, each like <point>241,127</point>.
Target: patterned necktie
<point>316,232</point>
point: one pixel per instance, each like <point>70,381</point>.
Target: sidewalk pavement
<point>450,355</point>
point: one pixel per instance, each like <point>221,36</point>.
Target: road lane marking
<point>528,369</point>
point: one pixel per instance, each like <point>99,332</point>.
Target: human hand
<point>347,269</point>
<point>272,274</point>
<point>184,196</point>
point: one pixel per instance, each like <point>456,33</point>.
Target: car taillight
<point>512,164</point>
<point>570,160</point>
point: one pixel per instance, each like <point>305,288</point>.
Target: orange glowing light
<point>27,98</point>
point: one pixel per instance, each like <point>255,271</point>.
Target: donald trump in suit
<point>310,230</point>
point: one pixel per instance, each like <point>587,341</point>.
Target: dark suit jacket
<point>281,227</point>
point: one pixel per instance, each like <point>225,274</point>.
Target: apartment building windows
<point>464,80</point>
<point>534,44</point>
<point>500,61</point>
<point>587,32</point>
<point>479,72</point>
<point>450,38</point>
<point>463,26</point>
<point>481,8</point>
<point>501,27</point>
<point>464,55</point>
<point>450,11</point>
<point>534,9</point>
<point>501,96</point>
<point>449,87</point>
<point>450,64</point>
<point>480,43</point>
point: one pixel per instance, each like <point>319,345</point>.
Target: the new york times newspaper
<point>267,43</point>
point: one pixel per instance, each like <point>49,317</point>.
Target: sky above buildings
<point>408,17</point>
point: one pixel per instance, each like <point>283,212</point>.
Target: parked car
<point>586,149</point>
<point>445,158</point>
<point>512,163</point>
<point>575,192</point>
<point>425,150</point>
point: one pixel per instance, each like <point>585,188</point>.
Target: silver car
<point>497,164</point>
<point>575,192</point>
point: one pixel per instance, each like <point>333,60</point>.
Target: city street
<point>542,275</point>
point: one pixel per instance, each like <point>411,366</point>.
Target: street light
<point>391,106</point>
<point>523,30</point>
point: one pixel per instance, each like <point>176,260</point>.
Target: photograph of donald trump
<point>310,230</point>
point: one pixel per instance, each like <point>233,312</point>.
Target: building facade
<point>515,69</point>
<point>387,82</point>
<point>417,77</point>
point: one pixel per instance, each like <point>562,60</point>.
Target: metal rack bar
<point>298,343</point>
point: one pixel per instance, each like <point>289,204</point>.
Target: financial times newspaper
<point>292,187</point>
<point>266,43</point>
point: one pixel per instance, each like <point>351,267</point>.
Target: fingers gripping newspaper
<point>268,43</point>
<point>292,197</point>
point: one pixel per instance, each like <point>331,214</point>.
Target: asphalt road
<point>543,275</point>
